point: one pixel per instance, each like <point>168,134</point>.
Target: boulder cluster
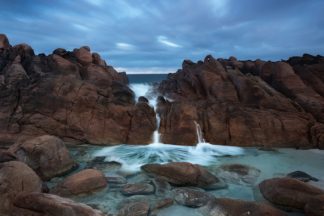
<point>73,95</point>
<point>245,103</point>
<point>76,96</point>
<point>34,182</point>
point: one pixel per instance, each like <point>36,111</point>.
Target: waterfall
<point>146,90</point>
<point>199,133</point>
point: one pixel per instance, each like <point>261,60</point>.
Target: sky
<point>153,36</point>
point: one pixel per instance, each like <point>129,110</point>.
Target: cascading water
<point>133,157</point>
<point>146,90</point>
<point>199,133</point>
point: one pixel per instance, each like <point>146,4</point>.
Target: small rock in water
<point>238,173</point>
<point>118,180</point>
<point>183,174</point>
<point>162,186</point>
<point>302,176</point>
<point>191,197</point>
<point>134,209</point>
<point>137,189</point>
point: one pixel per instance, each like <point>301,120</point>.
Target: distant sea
<point>145,78</point>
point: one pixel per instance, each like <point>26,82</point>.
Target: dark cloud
<point>158,35</point>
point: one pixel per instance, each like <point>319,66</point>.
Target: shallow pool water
<point>126,160</point>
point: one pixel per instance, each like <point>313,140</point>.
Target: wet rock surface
<point>238,173</point>
<point>288,193</point>
<point>83,182</point>
<point>301,176</point>
<point>191,197</point>
<point>137,189</point>
<point>134,209</point>
<point>39,204</point>
<point>184,174</point>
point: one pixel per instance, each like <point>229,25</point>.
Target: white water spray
<point>146,90</point>
<point>200,134</point>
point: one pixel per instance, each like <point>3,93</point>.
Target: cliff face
<point>246,103</point>
<point>73,95</point>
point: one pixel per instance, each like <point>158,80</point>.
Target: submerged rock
<point>238,173</point>
<point>231,207</point>
<point>47,155</point>
<point>15,178</point>
<point>191,197</point>
<point>184,174</point>
<point>288,193</point>
<point>85,181</point>
<point>134,209</point>
<point>301,176</point>
<point>40,204</point>
<point>137,189</point>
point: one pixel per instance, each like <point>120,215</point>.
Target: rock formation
<point>76,96</point>
<point>73,95</point>
<point>245,103</point>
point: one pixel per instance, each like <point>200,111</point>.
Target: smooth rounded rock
<point>137,189</point>
<point>15,178</point>
<point>288,193</point>
<point>83,182</point>
<point>183,174</point>
<point>191,197</point>
<point>47,155</point>
<point>40,204</point>
<point>136,208</point>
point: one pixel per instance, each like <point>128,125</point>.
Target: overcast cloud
<point>156,35</point>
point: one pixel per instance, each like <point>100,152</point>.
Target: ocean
<point>145,78</point>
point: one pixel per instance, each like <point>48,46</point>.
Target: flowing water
<point>126,160</point>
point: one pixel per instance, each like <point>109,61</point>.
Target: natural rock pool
<point>242,169</point>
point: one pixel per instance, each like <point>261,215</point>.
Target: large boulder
<point>185,174</point>
<point>288,193</point>
<point>40,204</point>
<point>231,207</point>
<point>83,182</point>
<point>47,155</point>
<point>15,178</point>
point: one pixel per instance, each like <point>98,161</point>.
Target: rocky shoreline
<point>78,97</point>
<point>30,187</point>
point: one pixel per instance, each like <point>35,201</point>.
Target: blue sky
<point>156,35</point>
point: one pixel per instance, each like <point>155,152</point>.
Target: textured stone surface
<point>85,181</point>
<point>40,204</point>
<point>288,193</point>
<point>47,155</point>
<point>15,178</point>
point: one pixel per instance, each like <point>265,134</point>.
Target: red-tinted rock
<point>83,55</point>
<point>184,174</point>
<point>47,155</point>
<point>288,192</point>
<point>85,181</point>
<point>40,204</point>
<point>15,178</point>
<point>315,206</point>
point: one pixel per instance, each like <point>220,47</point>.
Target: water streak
<point>146,90</point>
